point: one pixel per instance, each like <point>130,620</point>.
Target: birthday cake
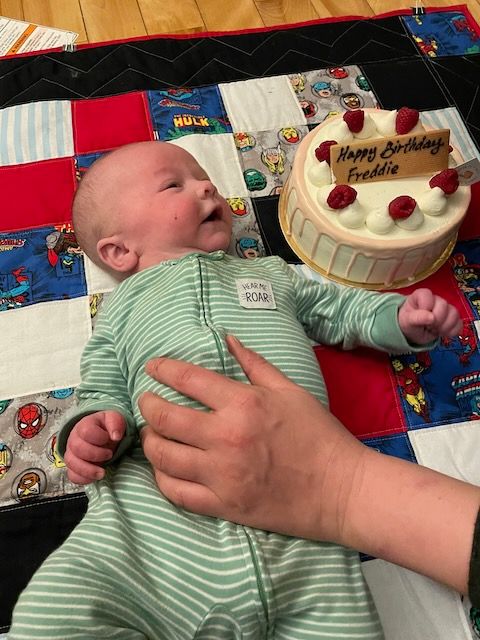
<point>379,234</point>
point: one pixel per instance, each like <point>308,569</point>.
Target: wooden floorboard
<point>338,8</point>
<point>273,12</point>
<point>163,16</point>
<point>228,15</point>
<point>11,9</point>
<point>99,20</point>
<point>64,15</point>
<point>111,19</point>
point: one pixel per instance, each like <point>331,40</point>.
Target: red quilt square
<point>471,225</point>
<point>36,194</point>
<point>361,391</point>
<point>107,123</point>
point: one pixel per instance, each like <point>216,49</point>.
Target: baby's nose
<point>208,188</point>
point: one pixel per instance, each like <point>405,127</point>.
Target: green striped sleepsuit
<point>138,567</point>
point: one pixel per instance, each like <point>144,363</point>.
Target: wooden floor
<point>98,20</point>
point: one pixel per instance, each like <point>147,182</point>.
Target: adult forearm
<point>412,516</point>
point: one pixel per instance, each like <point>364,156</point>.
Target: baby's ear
<point>117,255</point>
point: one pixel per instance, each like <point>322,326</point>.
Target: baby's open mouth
<point>215,215</point>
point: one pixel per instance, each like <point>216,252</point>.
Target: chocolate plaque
<point>411,154</point>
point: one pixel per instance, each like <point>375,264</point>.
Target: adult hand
<point>244,460</point>
<point>270,456</point>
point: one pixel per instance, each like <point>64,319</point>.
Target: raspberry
<point>322,153</point>
<point>341,196</point>
<point>406,119</point>
<point>447,180</point>
<point>354,120</point>
<point>401,207</point>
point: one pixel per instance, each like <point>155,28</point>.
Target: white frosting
<point>418,128</point>
<point>322,196</point>
<point>414,220</point>
<point>379,221</point>
<point>432,202</point>
<point>320,173</point>
<point>369,129</point>
<point>385,123</point>
<point>339,131</point>
<point>352,216</point>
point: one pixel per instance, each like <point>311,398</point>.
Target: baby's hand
<point>92,442</point>
<point>424,316</point>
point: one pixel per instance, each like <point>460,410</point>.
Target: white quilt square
<point>414,607</point>
<point>42,345</point>
<point>261,104</point>
<point>36,131</point>
<point>98,280</point>
<point>218,155</point>
<point>451,449</point>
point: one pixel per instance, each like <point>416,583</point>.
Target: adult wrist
<point>339,489</point>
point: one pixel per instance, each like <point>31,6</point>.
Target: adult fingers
<point>208,387</point>
<point>190,495</point>
<point>173,458</point>
<point>258,370</point>
<point>190,426</point>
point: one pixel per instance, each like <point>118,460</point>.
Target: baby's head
<point>147,202</point>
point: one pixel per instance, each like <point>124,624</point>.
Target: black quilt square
<point>266,211</point>
<point>410,83</point>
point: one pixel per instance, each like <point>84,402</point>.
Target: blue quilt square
<point>84,162</point>
<point>465,263</point>
<point>179,112</point>
<point>397,445</point>
<point>40,265</point>
<point>446,33</point>
<point>428,383</point>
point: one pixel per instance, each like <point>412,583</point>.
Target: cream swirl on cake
<point>362,242</point>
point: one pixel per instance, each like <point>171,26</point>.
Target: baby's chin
<point>219,242</point>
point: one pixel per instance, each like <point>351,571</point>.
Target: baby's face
<point>169,207</point>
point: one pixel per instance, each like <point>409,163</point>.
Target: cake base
<point>397,284</point>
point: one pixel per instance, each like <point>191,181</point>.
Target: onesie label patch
<point>255,294</point>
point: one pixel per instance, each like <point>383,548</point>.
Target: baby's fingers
<point>452,324</point>
<point>86,451</point>
<point>80,471</point>
<point>421,318</point>
<point>115,425</point>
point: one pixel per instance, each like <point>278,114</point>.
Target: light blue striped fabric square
<point>36,131</point>
<point>450,118</point>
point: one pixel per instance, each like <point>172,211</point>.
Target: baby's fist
<point>424,317</point>
<point>91,443</point>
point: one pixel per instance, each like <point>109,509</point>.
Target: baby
<point>138,567</point>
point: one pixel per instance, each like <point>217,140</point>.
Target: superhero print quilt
<point>241,103</point>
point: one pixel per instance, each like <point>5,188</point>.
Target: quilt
<point>240,103</point>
